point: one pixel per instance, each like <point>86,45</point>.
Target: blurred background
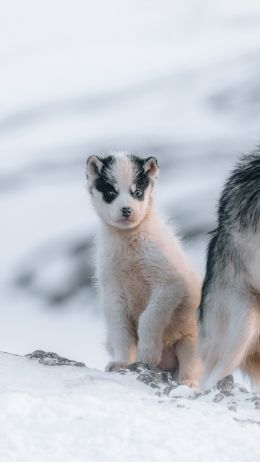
<point>178,79</point>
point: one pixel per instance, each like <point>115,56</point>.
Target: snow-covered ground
<point>73,414</point>
<point>176,79</point>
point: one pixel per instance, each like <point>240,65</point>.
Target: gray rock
<point>226,385</point>
<point>219,397</point>
<point>151,376</point>
<point>52,359</point>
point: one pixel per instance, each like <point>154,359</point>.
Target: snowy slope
<point>63,413</point>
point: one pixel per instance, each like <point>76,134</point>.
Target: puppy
<point>230,306</point>
<point>149,292</point>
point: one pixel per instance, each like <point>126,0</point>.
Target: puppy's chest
<point>129,270</point>
<point>131,266</point>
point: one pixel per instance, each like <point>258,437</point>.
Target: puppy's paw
<point>115,365</point>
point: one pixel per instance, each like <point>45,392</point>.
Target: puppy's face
<point>121,187</point>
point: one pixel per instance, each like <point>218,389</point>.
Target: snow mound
<point>231,395</point>
<point>53,410</point>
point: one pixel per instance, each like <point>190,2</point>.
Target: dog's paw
<point>115,365</point>
<point>192,383</point>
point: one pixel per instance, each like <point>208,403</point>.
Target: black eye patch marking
<point>108,163</point>
<point>103,182</point>
<point>141,180</point>
<point>108,190</point>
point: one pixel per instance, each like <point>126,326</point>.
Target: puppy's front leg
<point>154,320</point>
<point>121,342</point>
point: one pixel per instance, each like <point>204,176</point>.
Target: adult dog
<point>230,306</point>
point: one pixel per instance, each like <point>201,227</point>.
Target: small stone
<point>219,397</point>
<point>145,378</point>
<point>226,384</point>
<point>227,393</point>
<point>154,385</point>
<point>198,394</point>
<point>257,405</point>
<point>139,367</point>
<point>206,392</point>
<point>232,408</point>
<point>169,389</point>
<point>243,390</point>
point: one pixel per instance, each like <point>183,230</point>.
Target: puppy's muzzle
<point>126,212</point>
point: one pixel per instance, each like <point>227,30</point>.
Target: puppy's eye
<point>138,193</point>
<point>111,193</point>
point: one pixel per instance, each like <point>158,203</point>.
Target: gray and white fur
<point>149,291</point>
<point>229,312</point>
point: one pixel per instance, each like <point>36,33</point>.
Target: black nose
<point>126,212</point>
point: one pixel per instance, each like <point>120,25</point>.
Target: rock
<point>139,367</point>
<point>219,397</point>
<point>152,376</point>
<point>52,359</point>
<point>232,407</point>
<point>226,385</point>
<point>167,390</point>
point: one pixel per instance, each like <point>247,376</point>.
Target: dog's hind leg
<point>227,333</point>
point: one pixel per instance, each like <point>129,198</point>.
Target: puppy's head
<point>121,186</point>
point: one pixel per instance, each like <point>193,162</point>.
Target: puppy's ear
<point>151,167</point>
<point>94,166</point>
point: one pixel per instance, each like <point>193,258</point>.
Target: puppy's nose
<point>126,212</point>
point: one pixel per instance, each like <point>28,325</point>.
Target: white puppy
<point>149,291</point>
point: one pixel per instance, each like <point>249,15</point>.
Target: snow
<point>64,413</point>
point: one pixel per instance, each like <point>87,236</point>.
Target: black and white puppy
<point>149,291</point>
<point>230,305</point>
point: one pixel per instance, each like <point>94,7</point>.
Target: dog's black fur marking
<point>104,181</point>
<point>142,178</point>
<point>209,271</point>
<point>239,210</point>
<point>240,200</point>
